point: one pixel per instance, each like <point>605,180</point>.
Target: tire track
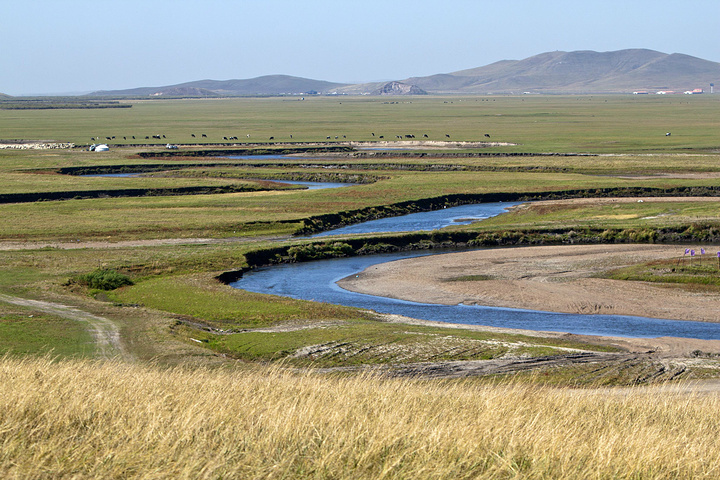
<point>103,330</point>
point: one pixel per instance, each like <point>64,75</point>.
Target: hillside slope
<point>265,85</point>
<point>579,72</point>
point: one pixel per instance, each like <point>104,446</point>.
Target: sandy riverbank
<point>550,278</point>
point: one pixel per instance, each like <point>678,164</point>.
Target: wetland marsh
<point>239,383</point>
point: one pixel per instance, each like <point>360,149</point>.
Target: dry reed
<point>84,419</point>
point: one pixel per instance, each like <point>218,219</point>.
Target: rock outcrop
<point>397,88</point>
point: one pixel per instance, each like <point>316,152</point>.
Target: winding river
<point>317,281</point>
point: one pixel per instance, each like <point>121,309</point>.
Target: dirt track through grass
<point>105,332</point>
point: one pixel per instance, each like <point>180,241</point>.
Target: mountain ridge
<point>558,72</point>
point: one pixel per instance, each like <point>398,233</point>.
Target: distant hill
<point>4,96</point>
<point>266,85</point>
<point>579,72</point>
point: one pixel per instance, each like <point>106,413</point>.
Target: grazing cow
<point>204,136</point>
<point>291,135</point>
<point>124,138</point>
<point>447,136</point>
<point>373,134</point>
<point>248,135</point>
<point>487,135</point>
<point>92,138</point>
<point>133,137</point>
<point>193,135</point>
<point>667,134</point>
<point>113,137</point>
<point>163,136</point>
<point>425,135</point>
<point>224,138</point>
<point>336,137</point>
<point>108,138</point>
<point>272,138</point>
<point>147,138</point>
<point>327,138</point>
<point>382,136</point>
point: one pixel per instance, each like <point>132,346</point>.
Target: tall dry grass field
<point>79,419</point>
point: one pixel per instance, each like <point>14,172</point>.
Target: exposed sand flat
<point>550,278</point>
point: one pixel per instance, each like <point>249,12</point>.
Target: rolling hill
<point>265,85</point>
<point>578,72</point>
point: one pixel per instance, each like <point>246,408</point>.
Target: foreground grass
<point>82,419</point>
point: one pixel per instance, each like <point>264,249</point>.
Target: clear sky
<point>76,46</point>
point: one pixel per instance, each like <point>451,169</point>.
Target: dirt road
<point>105,332</point>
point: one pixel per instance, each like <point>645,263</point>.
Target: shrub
<point>103,279</point>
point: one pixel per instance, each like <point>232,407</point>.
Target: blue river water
<point>314,185</point>
<point>423,221</point>
<point>317,281</point>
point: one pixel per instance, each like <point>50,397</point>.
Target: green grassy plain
<point>616,123</point>
<point>25,331</point>
<point>176,280</point>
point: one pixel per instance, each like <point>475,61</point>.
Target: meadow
<point>611,124</point>
<point>236,384</point>
<point>74,419</point>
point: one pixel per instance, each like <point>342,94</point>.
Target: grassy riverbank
<point>175,246</point>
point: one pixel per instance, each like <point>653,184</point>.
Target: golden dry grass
<point>83,419</point>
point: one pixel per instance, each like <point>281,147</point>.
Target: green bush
<point>301,253</point>
<point>103,279</point>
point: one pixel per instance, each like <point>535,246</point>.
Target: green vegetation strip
<point>27,332</point>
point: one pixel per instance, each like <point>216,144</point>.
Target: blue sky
<point>74,46</point>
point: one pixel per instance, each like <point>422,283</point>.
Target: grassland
<point>236,223</point>
<point>75,419</point>
<point>269,421</point>
<point>538,124</point>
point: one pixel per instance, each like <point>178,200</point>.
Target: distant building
<point>694,92</point>
<point>640,93</point>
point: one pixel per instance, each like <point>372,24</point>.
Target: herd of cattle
<point>234,138</point>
